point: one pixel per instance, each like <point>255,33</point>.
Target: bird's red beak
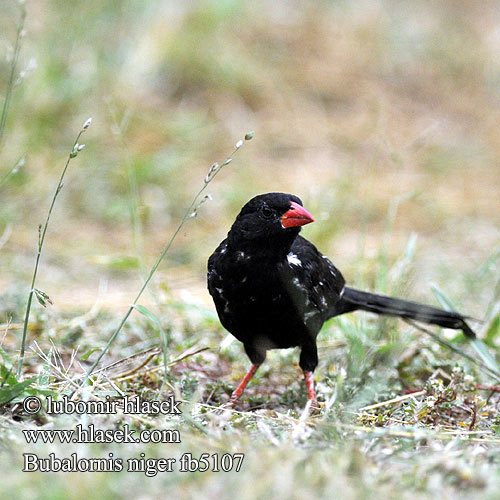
<point>296,216</point>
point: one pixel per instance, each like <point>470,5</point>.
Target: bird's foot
<point>314,408</point>
<point>226,409</point>
<point>231,402</point>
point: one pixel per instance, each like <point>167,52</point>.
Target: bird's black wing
<point>326,286</point>
<point>319,282</point>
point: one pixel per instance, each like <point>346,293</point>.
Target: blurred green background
<point>381,115</point>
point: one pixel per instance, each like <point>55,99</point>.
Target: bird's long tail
<point>353,300</point>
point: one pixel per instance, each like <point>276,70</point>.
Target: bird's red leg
<point>311,394</point>
<point>241,387</point>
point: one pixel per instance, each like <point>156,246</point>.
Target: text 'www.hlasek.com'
<point>90,433</point>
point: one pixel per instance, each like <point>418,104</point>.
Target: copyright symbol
<point>32,405</point>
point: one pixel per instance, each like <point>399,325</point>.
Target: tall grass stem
<point>190,212</point>
<point>10,83</point>
<point>41,238</point>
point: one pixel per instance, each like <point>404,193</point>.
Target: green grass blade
<point>493,330</point>
<point>492,373</point>
<point>479,346</point>
<point>482,350</point>
<point>445,302</point>
<point>11,392</point>
<point>163,334</point>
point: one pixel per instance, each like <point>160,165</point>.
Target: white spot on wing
<point>293,259</point>
<point>241,255</point>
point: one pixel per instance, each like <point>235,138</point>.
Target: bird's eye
<point>267,212</point>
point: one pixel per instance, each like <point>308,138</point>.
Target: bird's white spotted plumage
<point>273,289</point>
<point>293,259</point>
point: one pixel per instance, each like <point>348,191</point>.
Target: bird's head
<point>270,219</point>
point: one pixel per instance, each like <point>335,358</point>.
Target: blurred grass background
<point>356,106</point>
<point>381,115</point>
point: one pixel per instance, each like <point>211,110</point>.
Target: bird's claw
<point>314,408</point>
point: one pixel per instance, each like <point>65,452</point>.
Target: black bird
<point>273,289</point>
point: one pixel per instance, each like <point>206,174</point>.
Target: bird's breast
<point>254,297</point>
